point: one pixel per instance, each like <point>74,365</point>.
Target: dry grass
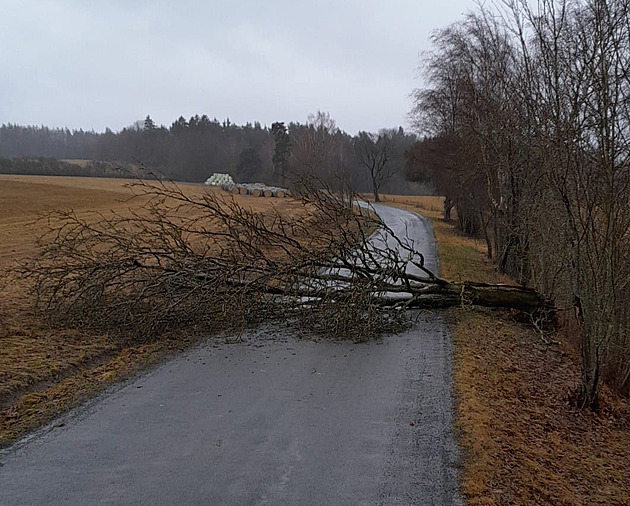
<point>44,371</point>
<point>523,441</point>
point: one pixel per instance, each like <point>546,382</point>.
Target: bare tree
<point>534,102</point>
<point>318,155</point>
<point>374,153</point>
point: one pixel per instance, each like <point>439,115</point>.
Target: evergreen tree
<point>281,151</point>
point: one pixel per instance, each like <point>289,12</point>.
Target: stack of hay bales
<point>225,181</point>
<point>257,190</point>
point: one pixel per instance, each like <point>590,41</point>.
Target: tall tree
<point>282,149</point>
<point>374,153</point>
<point>534,104</point>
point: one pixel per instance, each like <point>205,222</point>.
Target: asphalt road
<point>273,421</point>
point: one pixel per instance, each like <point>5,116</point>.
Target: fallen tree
<point>205,262</point>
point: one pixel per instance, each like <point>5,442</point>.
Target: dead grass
<point>40,405</point>
<point>523,441</point>
<point>44,372</point>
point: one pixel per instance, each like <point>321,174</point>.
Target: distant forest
<point>193,149</point>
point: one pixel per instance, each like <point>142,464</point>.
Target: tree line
<point>526,117</point>
<point>191,150</point>
<point>42,166</point>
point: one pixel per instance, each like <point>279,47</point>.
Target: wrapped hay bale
<point>220,179</point>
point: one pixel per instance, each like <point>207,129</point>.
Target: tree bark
<point>475,294</point>
<point>448,207</point>
<point>482,294</point>
<point>439,294</point>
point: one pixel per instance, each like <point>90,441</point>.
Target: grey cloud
<point>96,64</point>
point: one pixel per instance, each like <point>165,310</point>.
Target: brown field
<point>25,199</point>
<point>43,371</point>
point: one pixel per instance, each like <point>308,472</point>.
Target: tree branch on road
<point>207,263</point>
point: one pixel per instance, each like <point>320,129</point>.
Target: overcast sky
<point>93,64</point>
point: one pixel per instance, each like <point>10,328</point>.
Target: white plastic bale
<point>219,179</point>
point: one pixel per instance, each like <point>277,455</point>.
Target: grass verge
<point>523,442</point>
<point>44,372</point>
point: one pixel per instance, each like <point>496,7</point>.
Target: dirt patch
<point>522,439</point>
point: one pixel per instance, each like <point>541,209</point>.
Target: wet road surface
<point>274,420</point>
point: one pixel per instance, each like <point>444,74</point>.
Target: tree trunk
<point>590,384</point>
<point>448,207</point>
<point>440,294</point>
<point>481,294</point>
